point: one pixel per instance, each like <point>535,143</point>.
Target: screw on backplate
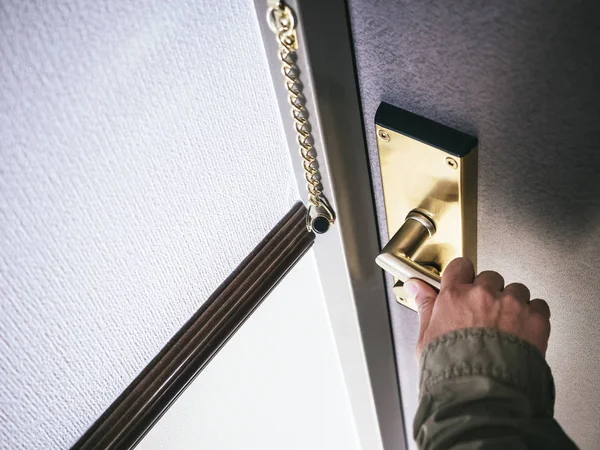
<point>450,162</point>
<point>383,135</point>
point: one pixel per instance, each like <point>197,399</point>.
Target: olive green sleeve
<point>483,389</point>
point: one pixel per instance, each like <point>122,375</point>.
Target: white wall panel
<point>276,385</point>
<point>142,158</point>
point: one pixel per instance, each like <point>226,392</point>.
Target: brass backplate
<point>417,173</point>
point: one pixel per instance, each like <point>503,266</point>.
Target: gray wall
<point>522,77</point>
<point>142,157</point>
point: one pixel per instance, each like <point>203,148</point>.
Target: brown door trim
<point>147,398</point>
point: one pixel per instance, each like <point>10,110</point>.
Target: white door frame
<point>352,283</point>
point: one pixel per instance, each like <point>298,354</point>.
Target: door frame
<point>352,283</point>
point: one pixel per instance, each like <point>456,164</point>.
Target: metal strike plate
<point>430,168</point>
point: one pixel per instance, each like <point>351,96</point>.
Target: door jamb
<point>352,283</point>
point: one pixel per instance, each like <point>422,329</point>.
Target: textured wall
<point>522,77</point>
<point>142,158</point>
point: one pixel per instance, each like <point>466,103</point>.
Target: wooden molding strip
<point>148,397</point>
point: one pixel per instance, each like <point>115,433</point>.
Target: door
<point>523,78</point>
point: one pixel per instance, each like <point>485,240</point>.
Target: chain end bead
<point>321,217</point>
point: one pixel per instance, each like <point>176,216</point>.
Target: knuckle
<point>450,292</point>
<point>540,307</point>
<point>541,317</point>
<point>482,293</point>
<point>518,288</point>
<point>512,302</point>
<point>540,322</point>
<point>491,274</point>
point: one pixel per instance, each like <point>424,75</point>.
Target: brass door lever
<point>429,179</point>
<point>396,256</point>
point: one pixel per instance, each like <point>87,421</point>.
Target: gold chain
<point>282,21</point>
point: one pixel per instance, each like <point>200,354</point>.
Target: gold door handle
<point>429,181</point>
<point>396,257</point>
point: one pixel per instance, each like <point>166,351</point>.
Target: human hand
<point>481,301</point>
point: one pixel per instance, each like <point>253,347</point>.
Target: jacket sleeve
<point>484,389</point>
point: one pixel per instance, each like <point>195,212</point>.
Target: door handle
<point>429,181</point>
<point>396,255</point>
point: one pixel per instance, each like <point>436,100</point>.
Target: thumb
<point>424,296</point>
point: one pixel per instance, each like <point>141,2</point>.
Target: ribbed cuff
<point>491,353</point>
